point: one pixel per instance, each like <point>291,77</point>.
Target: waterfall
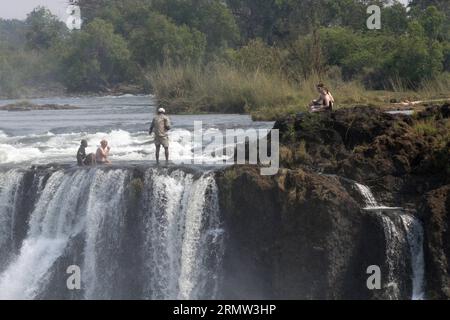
<point>9,187</point>
<point>414,231</point>
<point>183,219</point>
<point>56,217</point>
<point>370,201</point>
<point>95,218</point>
<point>368,196</point>
<point>104,213</point>
<point>401,230</point>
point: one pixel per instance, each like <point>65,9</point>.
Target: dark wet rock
<point>436,216</point>
<point>297,235</point>
<point>438,112</point>
<point>372,147</point>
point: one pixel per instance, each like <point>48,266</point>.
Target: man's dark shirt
<point>81,155</point>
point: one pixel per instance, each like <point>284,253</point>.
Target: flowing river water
<point>47,136</point>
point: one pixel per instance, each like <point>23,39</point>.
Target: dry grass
<point>425,127</point>
<point>221,88</point>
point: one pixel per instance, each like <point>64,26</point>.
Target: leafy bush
<point>94,58</point>
<point>160,41</point>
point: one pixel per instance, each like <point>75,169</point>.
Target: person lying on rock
<point>325,102</point>
<point>103,153</point>
<point>82,158</point>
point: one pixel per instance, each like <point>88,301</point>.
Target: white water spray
<point>9,187</point>
<point>54,220</point>
<point>182,212</point>
<point>395,239</point>
<point>81,216</point>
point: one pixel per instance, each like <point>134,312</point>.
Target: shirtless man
<point>103,153</point>
<point>325,101</point>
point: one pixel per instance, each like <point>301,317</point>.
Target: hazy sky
<point>18,9</point>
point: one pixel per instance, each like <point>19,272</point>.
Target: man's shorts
<point>164,141</point>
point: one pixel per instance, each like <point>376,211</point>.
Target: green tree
<point>395,18</point>
<point>433,23</point>
<point>8,79</point>
<point>211,17</point>
<point>43,29</point>
<point>12,34</point>
<point>91,9</point>
<point>446,52</point>
<point>159,40</point>
<point>443,6</point>
<point>94,58</point>
<point>414,58</point>
<point>347,13</point>
<point>256,19</point>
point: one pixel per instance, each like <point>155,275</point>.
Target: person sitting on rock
<point>103,153</point>
<point>82,158</point>
<point>325,102</point>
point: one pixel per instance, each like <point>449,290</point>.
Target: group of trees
<point>26,52</point>
<point>120,41</point>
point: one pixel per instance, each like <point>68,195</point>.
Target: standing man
<point>160,126</point>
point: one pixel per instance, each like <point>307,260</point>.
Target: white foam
<point>383,208</point>
<point>18,153</point>
<point>182,221</point>
<point>125,146</point>
<point>21,280</point>
<point>56,217</point>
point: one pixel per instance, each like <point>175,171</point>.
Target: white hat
<point>161,110</point>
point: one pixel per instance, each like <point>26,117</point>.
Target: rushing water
<point>47,136</point>
<point>400,230</point>
<point>176,213</point>
<point>414,231</point>
<point>135,231</point>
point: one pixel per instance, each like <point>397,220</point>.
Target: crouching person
<point>84,159</point>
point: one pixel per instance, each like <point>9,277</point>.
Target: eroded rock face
<point>436,214</point>
<point>387,152</point>
<point>364,143</point>
<point>298,235</point>
<point>301,234</point>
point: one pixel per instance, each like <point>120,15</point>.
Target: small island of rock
<point>28,106</point>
